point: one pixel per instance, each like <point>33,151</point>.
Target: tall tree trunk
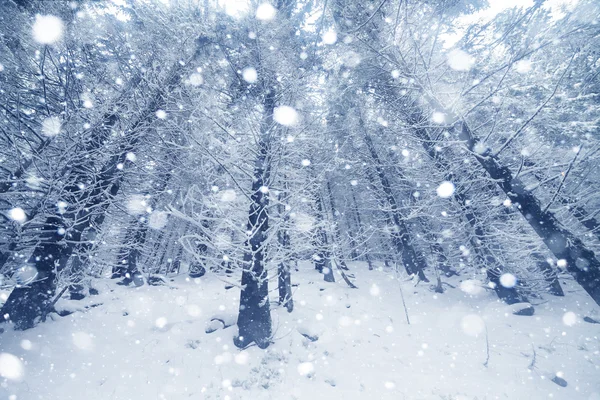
<point>579,212</point>
<point>338,256</point>
<point>283,270</point>
<point>323,257</point>
<point>401,237</point>
<point>129,255</point>
<point>581,262</point>
<point>136,240</point>
<point>360,227</point>
<point>26,304</point>
<point>254,318</point>
<point>479,240</point>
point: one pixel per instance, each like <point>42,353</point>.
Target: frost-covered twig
<point>518,132</point>
<point>564,178</point>
<point>532,364</point>
<point>487,348</point>
<point>402,295</point>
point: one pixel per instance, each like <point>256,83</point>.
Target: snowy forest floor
<point>151,343</point>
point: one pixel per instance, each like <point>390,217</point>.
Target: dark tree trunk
<point>284,281</point>
<point>323,260</point>
<point>52,254</point>
<point>285,286</point>
<point>129,255</point>
<point>401,237</point>
<point>554,287</point>
<point>579,212</point>
<point>442,260</point>
<point>135,241</point>
<point>338,258</point>
<point>584,218</point>
<point>360,227</point>
<point>25,304</point>
<point>254,318</point>
<point>581,262</point>
<point>479,241</point>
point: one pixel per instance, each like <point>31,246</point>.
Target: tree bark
<point>254,318</point>
<point>401,237</point>
<point>581,262</point>
<point>283,270</point>
<point>26,304</point>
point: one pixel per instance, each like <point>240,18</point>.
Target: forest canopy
<point>266,146</point>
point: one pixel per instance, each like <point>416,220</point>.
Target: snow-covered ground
<point>339,343</point>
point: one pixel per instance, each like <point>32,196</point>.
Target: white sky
<point>496,7</point>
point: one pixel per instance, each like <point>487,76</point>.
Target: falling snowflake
<point>47,29</point>
<point>17,214</point>
<point>508,280</point>
<point>193,310</point>
<point>460,60</point>
<point>195,79</point>
<point>136,204</point>
<point>242,357</point>
<point>228,195</point>
<point>161,114</point>
<point>83,341</point>
<point>569,318</point>
<point>523,66</point>
<point>374,290</point>
<point>472,287</point>
<point>305,163</point>
<point>438,117</point>
<point>480,148</point>
<point>62,206</point>
<point>26,344</point>
<point>51,126</point>
<point>265,12</point>
<point>34,181</point>
<point>329,37</point>
<point>306,368</point>
<point>160,322</point>
<point>472,325</point>
<point>11,367</point>
<point>250,75</point>
<point>445,190</point>
<point>158,220</point>
<point>285,115</point>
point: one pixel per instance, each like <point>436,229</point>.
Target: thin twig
<point>368,19</point>
<point>563,179</point>
<point>518,132</point>
<point>532,364</point>
<point>487,348</point>
<point>402,295</point>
